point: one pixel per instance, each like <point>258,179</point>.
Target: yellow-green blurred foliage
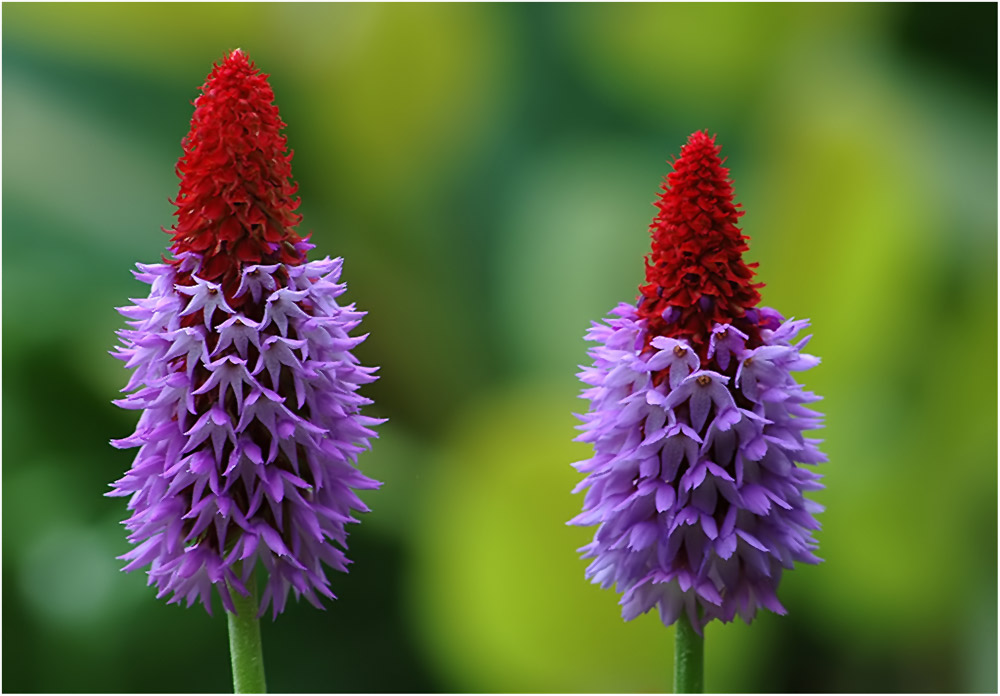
<point>487,172</point>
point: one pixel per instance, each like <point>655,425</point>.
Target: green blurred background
<point>487,172</point>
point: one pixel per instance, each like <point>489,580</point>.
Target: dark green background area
<point>487,171</point>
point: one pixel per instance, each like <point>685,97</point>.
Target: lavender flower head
<point>250,420</point>
<point>696,484</point>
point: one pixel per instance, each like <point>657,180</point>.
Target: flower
<point>250,420</point>
<point>696,484</point>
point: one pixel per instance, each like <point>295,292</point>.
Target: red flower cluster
<point>237,202</point>
<point>695,273</point>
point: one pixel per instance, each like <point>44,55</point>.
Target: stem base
<point>244,643</point>
<point>689,658</point>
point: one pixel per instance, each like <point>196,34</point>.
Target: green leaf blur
<point>487,173</point>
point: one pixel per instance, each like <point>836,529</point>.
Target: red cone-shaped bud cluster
<point>695,274</point>
<point>237,202</point>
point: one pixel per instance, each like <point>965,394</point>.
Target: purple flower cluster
<point>249,431</point>
<point>695,481</point>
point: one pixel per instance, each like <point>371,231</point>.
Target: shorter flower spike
<point>250,421</point>
<point>697,484</point>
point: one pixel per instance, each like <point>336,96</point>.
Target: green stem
<point>244,643</point>
<point>689,658</point>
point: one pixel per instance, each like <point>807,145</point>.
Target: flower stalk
<point>245,649</point>
<point>689,658</point>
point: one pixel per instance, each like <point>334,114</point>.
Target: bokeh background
<point>487,172</point>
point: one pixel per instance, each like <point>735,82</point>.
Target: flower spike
<point>251,420</point>
<point>697,485</point>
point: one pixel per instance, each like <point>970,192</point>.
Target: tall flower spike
<point>696,484</point>
<point>250,420</point>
